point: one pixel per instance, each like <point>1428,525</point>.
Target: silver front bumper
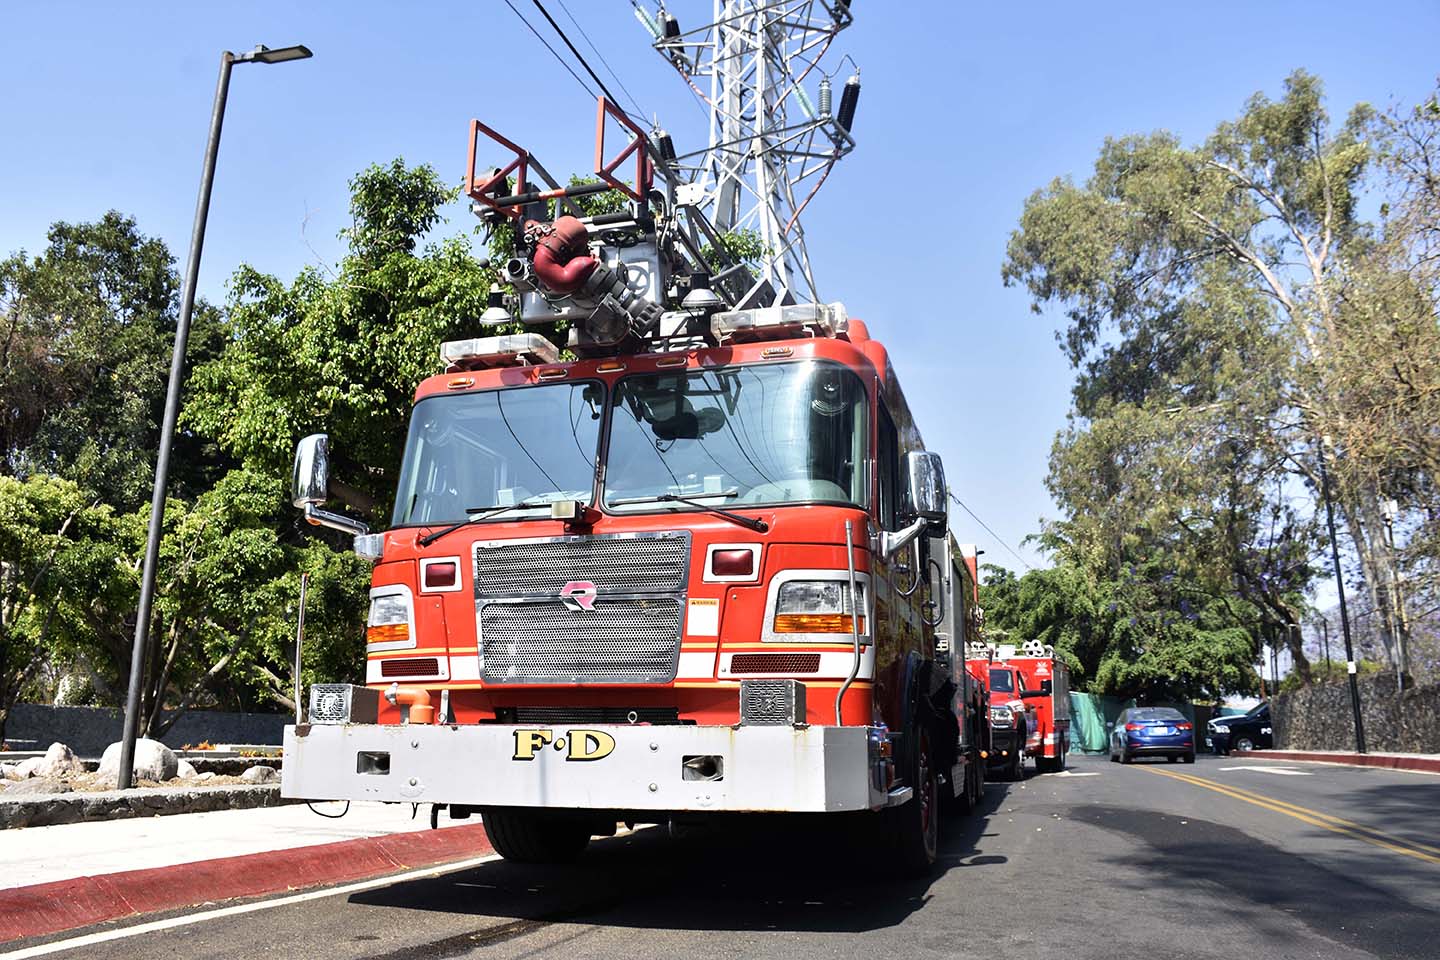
<point>764,768</point>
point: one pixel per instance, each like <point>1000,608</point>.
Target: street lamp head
<point>263,54</point>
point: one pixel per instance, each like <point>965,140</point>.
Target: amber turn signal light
<point>814,623</point>
<point>387,633</point>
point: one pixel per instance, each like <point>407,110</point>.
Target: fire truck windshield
<point>774,433</point>
<point>1001,681</point>
<point>472,451</point>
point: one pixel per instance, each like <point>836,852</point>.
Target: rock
<point>10,771</point>
<point>260,774</point>
<point>34,786</point>
<point>186,770</point>
<point>207,775</point>
<point>27,768</point>
<point>59,761</point>
<point>153,761</point>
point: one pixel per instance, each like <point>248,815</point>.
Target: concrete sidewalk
<point>1414,762</point>
<point>73,875</point>
<point>34,855</point>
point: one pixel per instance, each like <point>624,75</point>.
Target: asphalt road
<point>1223,859</point>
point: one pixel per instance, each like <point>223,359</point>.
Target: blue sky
<point>968,108</point>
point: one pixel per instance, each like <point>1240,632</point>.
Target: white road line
<point>1278,771</point>
<point>1062,773</point>
<point>91,939</point>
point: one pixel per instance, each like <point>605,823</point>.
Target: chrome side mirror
<point>311,479</point>
<point>309,487</point>
<point>924,489</point>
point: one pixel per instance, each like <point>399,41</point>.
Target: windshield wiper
<point>477,514</point>
<point>759,526</point>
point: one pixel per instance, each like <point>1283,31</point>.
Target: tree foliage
<point>342,351</point>
<point>88,331</point>
<point>1227,311</point>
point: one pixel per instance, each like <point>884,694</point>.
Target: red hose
<point>562,260</point>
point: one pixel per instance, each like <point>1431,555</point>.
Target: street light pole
<point>1350,665</point>
<point>139,650</point>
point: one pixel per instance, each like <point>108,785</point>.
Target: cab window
<point>887,465</point>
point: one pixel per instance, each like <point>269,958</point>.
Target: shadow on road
<point>787,873</point>
<point>1200,857</point>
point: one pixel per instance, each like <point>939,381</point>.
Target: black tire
<point>1113,757</point>
<point>530,836</point>
<point>1125,756</point>
<point>914,827</point>
<point>1242,745</point>
<point>1190,757</point>
<point>1172,758</point>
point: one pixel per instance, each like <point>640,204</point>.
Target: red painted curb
<point>1386,761</point>
<point>66,904</point>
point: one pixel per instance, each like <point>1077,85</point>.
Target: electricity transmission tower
<point>772,143</point>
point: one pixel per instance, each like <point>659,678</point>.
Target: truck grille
<point>614,564</point>
<point>622,640</point>
<point>627,629</point>
<point>553,715</point>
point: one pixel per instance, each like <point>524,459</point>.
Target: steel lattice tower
<point>772,143</point>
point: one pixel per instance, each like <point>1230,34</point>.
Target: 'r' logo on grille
<point>578,595</point>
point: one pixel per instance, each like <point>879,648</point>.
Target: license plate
<point>1163,731</point>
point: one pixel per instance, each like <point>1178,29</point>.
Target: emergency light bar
<point>510,350</point>
<point>781,323</point>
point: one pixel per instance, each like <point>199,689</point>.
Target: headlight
<point>1220,728</point>
<point>389,620</point>
<point>816,606</point>
<point>1001,717</point>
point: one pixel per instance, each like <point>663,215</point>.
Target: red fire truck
<point>701,568</point>
<point>1030,705</point>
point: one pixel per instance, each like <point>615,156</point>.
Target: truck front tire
<point>913,829</point>
<point>532,836</point>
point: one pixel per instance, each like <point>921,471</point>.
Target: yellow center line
<point>1337,820</point>
<point>1324,821</point>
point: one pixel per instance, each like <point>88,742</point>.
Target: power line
<point>578,56</point>
<point>991,532</point>
<point>558,59</point>
<point>608,69</point>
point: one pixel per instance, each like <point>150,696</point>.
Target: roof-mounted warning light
<point>781,322</point>
<point>510,350</point>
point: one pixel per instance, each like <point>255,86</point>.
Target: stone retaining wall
<point>89,730</point>
<point>48,810</point>
<point>1319,717</point>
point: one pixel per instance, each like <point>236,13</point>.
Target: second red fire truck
<point>1029,705</point>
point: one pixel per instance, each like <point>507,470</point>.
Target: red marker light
<point>733,563</point>
<point>439,575</point>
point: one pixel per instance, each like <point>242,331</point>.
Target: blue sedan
<point>1151,732</point>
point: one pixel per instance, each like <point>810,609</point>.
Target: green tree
<point>342,351</point>
<point>1143,634</point>
<point>51,531</point>
<point>86,330</point>
<point>1200,288</point>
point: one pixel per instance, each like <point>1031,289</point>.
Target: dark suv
<point>1250,731</point>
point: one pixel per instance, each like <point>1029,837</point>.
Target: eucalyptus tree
<point>1203,294</point>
